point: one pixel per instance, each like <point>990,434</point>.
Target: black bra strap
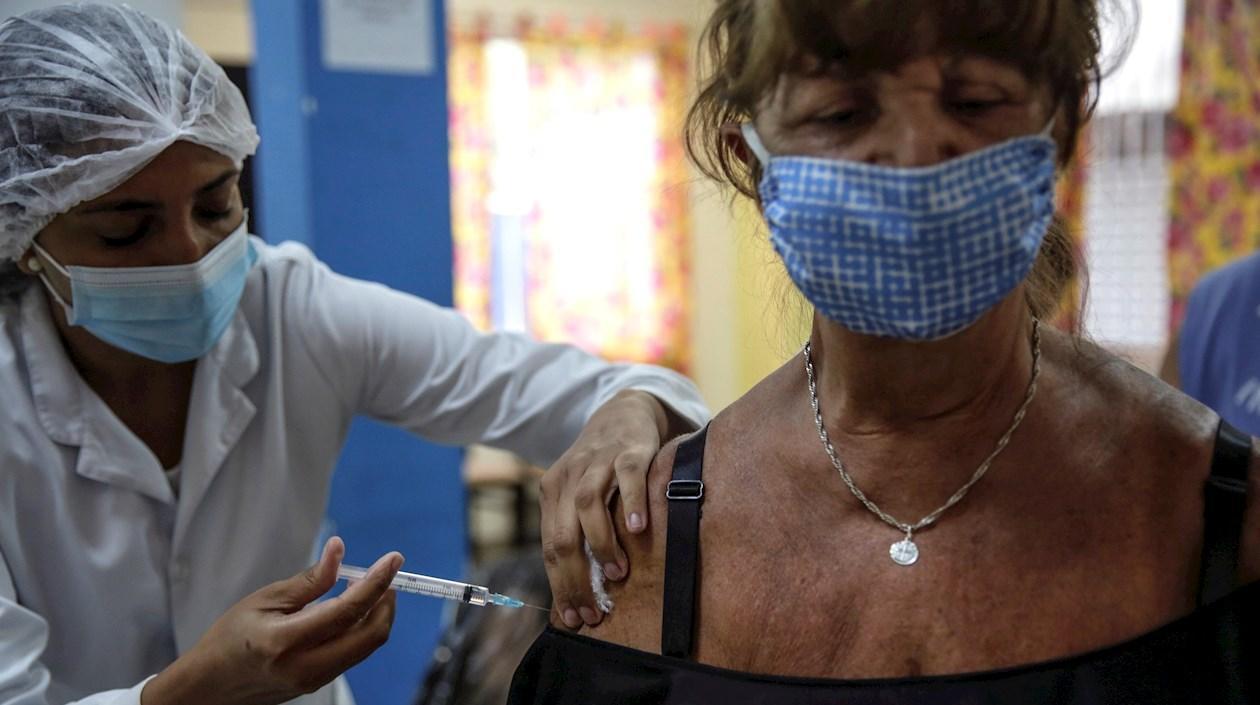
<point>1224,503</point>
<point>682,548</point>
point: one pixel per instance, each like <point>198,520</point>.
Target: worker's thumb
<point>309,585</point>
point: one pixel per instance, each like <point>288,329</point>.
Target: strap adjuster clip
<point>686,490</point>
<point>1229,484</point>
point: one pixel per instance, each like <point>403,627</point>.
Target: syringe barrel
<point>425,585</point>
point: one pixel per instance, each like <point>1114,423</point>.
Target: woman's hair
<point>749,44</point>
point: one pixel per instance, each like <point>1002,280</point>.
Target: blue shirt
<point>1219,357</point>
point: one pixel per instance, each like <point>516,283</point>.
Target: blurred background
<point>522,160</point>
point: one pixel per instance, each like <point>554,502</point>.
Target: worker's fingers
<point>632,467</point>
<point>547,521</point>
<point>292,594</point>
<point>331,618</point>
<point>563,555</point>
<point>593,492</point>
<point>317,666</point>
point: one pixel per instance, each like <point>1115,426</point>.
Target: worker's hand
<point>613,454</point>
<point>275,645</point>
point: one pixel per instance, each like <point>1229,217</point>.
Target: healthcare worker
<point>174,393</point>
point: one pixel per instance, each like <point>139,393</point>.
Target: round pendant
<point>904,552</point>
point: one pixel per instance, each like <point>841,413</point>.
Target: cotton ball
<point>602,600</point>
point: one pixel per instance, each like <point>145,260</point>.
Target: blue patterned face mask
<point>169,314</point>
<point>909,253</point>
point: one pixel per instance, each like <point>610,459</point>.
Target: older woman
<point>175,392</point>
<point>941,499</point>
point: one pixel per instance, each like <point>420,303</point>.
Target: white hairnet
<point>91,93</point>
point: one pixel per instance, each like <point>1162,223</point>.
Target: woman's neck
<point>150,398</point>
<point>112,372</point>
<point>869,386</point>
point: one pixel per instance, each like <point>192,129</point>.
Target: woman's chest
<point>1011,576</point>
<point>879,629</point>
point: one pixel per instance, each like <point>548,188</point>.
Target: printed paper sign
<point>382,36</point>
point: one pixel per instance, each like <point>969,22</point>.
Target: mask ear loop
<point>38,267</point>
<point>1048,130</point>
<point>753,140</point>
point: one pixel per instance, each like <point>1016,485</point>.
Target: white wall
<point>169,11</point>
<point>223,28</point>
<point>1147,77</point>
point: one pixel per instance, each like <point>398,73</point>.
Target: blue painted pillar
<point>355,165</point>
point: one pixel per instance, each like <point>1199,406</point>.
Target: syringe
<point>437,587</point>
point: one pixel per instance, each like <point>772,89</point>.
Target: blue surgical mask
<point>169,314</point>
<point>910,253</point>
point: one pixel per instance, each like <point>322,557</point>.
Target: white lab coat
<point>106,576</point>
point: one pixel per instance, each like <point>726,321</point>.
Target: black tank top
<point>1210,656</point>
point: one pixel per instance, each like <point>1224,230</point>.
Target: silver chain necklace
<point>905,552</point>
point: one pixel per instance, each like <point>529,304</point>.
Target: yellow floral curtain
<point>1214,144</point>
<point>603,206</point>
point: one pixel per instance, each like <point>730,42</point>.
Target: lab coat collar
<point>72,415</point>
<point>55,384</point>
<point>219,412</point>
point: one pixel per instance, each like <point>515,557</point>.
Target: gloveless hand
<point>274,645</point>
<point>612,454</point>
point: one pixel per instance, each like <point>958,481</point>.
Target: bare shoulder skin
<point>636,617</point>
<point>1085,533</point>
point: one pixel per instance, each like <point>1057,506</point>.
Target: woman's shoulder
<point>635,619</point>
<point>1111,395</point>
